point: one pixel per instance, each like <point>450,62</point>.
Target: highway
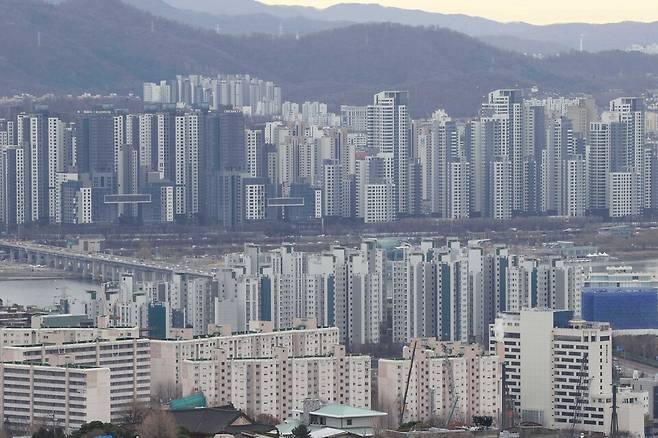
<point>93,259</point>
<point>628,366</point>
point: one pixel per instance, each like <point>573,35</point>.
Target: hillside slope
<point>596,37</point>
<point>106,45</point>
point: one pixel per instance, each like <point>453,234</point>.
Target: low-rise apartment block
<point>445,377</point>
<point>128,361</point>
<point>66,396</point>
<point>168,355</point>
<point>34,336</point>
<point>279,384</point>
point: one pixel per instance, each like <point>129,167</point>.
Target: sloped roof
<point>211,421</point>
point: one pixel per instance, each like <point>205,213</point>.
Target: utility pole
<point>614,422</point>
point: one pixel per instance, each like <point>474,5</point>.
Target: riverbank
<point>11,271</point>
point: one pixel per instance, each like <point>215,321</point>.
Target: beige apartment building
<point>128,361</point>
<point>279,384</point>
<point>34,336</point>
<point>445,378</point>
<point>168,355</point>
<point>40,394</point>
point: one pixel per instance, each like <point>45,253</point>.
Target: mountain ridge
<point>597,37</point>
<point>440,67</point>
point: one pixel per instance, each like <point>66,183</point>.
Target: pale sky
<point>532,11</point>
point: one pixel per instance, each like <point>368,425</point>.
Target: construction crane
<point>406,389</point>
<point>452,411</point>
<point>579,394</point>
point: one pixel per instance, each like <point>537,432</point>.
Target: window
<point>349,422</point>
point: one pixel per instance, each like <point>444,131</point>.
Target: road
<point>628,366</point>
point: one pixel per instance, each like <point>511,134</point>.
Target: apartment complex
<point>448,381</point>
<point>67,396</point>
<point>167,356</point>
<point>128,361</point>
<point>279,384</point>
<point>34,336</point>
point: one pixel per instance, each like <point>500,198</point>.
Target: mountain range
<point>244,17</point>
<point>256,17</point>
<point>110,46</point>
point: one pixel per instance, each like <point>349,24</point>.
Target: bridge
<point>96,267</point>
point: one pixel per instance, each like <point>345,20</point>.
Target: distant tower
<point>152,26</point>
<point>38,39</point>
<point>582,37</point>
<point>217,30</point>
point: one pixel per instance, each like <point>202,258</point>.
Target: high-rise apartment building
<point>387,128</point>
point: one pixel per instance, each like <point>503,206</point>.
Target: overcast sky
<point>534,11</point>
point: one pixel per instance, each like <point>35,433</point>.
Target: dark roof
<point>211,421</point>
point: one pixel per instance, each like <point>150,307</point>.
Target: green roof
<point>286,427</point>
<point>197,400</point>
<point>335,410</point>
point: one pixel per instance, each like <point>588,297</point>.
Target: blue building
<point>623,308</point>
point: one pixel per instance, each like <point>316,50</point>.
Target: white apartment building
<point>449,292</point>
<point>168,355</point>
<point>358,293</point>
<point>444,376</point>
<point>599,164</point>
<point>501,188</point>
<point>279,384</point>
<point>67,396</point>
<point>379,203</point>
<point>254,200</point>
<point>254,144</point>
<point>623,194</point>
<point>128,360</point>
<point>459,203</point>
<point>84,207</point>
<point>575,187</point>
<point>238,300</point>
<point>387,129</point>
<point>557,371</point>
<point>199,309</point>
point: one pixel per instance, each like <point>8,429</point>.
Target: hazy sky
<point>534,11</point>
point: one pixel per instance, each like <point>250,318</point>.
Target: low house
<point>357,421</point>
<point>333,420</point>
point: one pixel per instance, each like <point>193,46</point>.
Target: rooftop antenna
<point>582,37</point>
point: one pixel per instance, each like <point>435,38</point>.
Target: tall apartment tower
<point>630,112</point>
<point>387,128</point>
<point>599,164</point>
<point>507,106</point>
